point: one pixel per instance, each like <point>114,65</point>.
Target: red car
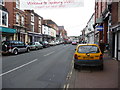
<point>74,43</point>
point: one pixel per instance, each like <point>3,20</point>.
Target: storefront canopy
<point>7,30</point>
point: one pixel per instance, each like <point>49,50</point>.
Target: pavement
<point>108,78</point>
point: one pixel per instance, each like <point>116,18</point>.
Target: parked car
<point>35,45</point>
<point>74,43</point>
<point>44,43</point>
<point>88,55</point>
<point>52,43</point>
<point>14,47</point>
<point>57,42</point>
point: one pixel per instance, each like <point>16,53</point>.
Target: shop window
<point>4,18</point>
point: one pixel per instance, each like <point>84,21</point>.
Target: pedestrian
<point>102,46</point>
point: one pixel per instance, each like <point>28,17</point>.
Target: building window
<point>39,30</point>
<point>4,18</point>
<point>17,18</point>
<point>2,2</point>
<point>32,17</point>
<point>0,17</point>
<point>22,21</point>
<point>40,22</point>
<point>17,4</point>
<point>32,28</point>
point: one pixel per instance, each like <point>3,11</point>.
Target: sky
<point>73,19</point>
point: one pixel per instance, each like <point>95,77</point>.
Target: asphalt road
<point>45,68</point>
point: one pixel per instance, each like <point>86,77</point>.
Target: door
<point>115,51</point>
<point>119,45</point>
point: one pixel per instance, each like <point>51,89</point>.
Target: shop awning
<point>7,30</point>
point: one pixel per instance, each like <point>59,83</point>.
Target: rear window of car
<point>88,49</point>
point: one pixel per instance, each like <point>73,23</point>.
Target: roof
<point>87,44</point>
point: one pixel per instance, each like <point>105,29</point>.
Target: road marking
<point>49,53</point>
<point>18,67</point>
<point>67,86</point>
<point>64,86</point>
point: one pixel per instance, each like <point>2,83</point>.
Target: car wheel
<point>75,66</point>
<point>36,48</point>
<point>101,67</point>
<point>28,50</point>
<point>15,52</point>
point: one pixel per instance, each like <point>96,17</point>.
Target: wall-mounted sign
<point>49,4</point>
<point>99,28</point>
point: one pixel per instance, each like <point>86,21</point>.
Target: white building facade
<point>89,31</point>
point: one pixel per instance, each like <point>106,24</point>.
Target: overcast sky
<point>73,19</point>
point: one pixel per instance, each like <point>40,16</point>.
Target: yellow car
<point>88,55</point>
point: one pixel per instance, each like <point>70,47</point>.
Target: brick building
<point>115,27</point>
<point>62,33</point>
<point>17,20</point>
<point>34,26</point>
<point>102,15</point>
<point>107,14</point>
<point>6,32</point>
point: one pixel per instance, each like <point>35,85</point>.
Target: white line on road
<point>18,67</point>
<point>49,53</point>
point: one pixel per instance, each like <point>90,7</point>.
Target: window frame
<point>1,19</point>
<point>98,50</point>
<point>17,19</point>
<point>18,4</point>
<point>22,21</point>
<point>32,17</point>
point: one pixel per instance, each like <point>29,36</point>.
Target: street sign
<point>99,28</point>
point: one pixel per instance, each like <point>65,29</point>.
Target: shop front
<point>34,37</point>
<point>7,33</point>
<point>116,42</point>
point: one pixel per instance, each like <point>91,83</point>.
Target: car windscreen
<point>5,43</point>
<point>88,49</point>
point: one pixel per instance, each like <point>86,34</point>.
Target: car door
<point>38,45</point>
<point>22,47</point>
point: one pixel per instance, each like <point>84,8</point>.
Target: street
<point>45,68</point>
<point>53,68</point>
